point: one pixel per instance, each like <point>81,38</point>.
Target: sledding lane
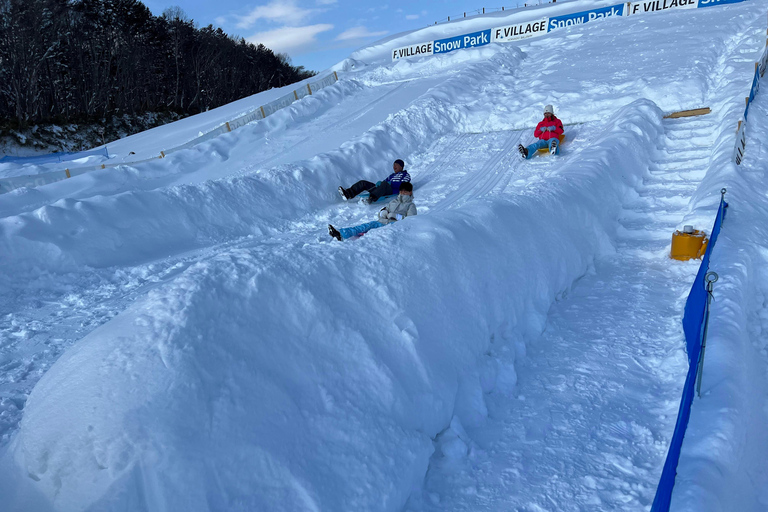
<point>597,394</point>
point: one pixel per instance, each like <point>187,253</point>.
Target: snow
<point>184,335</point>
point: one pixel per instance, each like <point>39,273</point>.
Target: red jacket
<point>555,129</point>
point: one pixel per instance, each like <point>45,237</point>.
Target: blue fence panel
<point>54,157</point>
<point>753,91</point>
<point>696,310</point>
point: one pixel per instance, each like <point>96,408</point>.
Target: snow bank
<point>722,463</point>
<point>143,224</point>
<point>261,377</point>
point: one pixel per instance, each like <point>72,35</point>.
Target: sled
<point>546,150</point>
<point>383,199</point>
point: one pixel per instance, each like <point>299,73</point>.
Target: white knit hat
<point>549,109</point>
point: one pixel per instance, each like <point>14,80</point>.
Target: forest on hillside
<point>82,60</point>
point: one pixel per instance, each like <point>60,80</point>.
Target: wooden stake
<point>689,113</point>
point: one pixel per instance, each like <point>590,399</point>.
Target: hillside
<point>183,334</point>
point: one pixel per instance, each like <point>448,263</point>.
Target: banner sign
<point>579,18</point>
<point>415,50</point>
<point>545,25</point>
<point>659,5</point>
<point>466,41</point>
<point>711,3</point>
<point>741,143</point>
<point>520,31</point>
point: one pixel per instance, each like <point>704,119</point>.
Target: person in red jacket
<point>548,131</point>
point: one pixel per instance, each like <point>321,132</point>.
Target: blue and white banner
<point>712,3</point>
<point>659,5</point>
<point>520,31</point>
<point>472,40</point>
<point>579,18</point>
<point>741,143</point>
<point>414,50</point>
<point>543,26</point>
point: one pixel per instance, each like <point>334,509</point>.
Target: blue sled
<point>383,199</point>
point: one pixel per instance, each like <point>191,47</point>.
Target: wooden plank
<point>689,113</point>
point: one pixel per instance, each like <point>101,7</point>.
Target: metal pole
<point>710,278</point>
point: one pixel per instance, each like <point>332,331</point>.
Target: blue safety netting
<point>694,319</point>
<point>53,157</point>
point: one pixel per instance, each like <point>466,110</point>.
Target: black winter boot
<point>523,150</point>
<point>334,232</point>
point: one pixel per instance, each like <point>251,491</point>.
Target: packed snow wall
<point>255,379</point>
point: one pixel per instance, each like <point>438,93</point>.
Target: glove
<point>378,183</point>
<point>398,217</point>
<point>392,216</point>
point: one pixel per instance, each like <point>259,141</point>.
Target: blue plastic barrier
<point>696,313</point>
<point>53,157</point>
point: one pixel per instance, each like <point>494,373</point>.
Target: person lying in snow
<point>400,207</point>
<point>388,187</point>
<point>548,131</point>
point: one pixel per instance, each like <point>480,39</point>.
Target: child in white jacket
<point>400,207</point>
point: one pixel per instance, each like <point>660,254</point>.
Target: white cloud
<point>326,2</point>
<point>279,11</point>
<point>411,16</point>
<point>220,20</point>
<point>289,39</point>
<point>358,33</point>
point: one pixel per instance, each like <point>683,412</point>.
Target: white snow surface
<point>184,335</point>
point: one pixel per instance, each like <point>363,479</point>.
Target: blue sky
<point>318,33</point>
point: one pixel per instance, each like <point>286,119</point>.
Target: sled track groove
<point>478,183</point>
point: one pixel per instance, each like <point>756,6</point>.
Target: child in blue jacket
<point>388,187</point>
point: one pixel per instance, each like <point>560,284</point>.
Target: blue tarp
<point>696,312</point>
<point>53,157</point>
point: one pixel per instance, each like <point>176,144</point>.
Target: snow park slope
<point>183,335</point>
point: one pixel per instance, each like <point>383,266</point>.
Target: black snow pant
<point>385,189</point>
